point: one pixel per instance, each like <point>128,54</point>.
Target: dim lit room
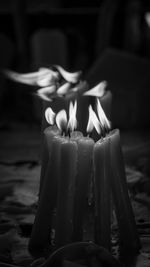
<point>74,133</point>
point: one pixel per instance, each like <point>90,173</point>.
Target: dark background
<point>106,39</point>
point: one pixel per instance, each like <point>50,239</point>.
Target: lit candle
<point>102,173</point>
<point>58,183</point>
<point>83,176</point>
<point>68,171</point>
<point>40,236</point>
<point>110,174</point>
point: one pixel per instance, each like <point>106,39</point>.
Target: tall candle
<point>129,238</point>
<point>65,197</point>
<point>102,175</point>
<point>84,172</point>
<point>40,236</point>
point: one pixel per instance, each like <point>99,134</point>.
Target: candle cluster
<point>78,147</point>
<point>70,161</point>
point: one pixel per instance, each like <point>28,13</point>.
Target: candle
<point>49,133</point>
<point>83,177</point>
<point>66,183</point>
<point>72,159</point>
<point>101,166</point>
<point>130,242</point>
<point>102,173</point>
<point>65,197</point>
<point>41,230</point>
<point>110,174</point>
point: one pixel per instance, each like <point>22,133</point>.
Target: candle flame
<point>99,121</point>
<point>50,116</point>
<point>97,91</point>
<point>61,120</point>
<point>105,123</point>
<point>72,77</point>
<point>93,121</point>
<point>72,123</point>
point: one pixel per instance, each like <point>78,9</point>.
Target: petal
<point>97,91</point>
<point>44,97</point>
<point>63,89</point>
<point>72,77</point>
<point>29,78</point>
<point>47,90</point>
<point>46,77</point>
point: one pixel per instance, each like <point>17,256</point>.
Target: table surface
<point>20,163</point>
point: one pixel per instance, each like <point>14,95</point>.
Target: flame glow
<point>72,123</point>
<point>93,121</point>
<point>50,116</point>
<point>147,18</point>
<point>61,120</point>
<point>100,122</point>
<point>98,90</point>
<point>72,77</point>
